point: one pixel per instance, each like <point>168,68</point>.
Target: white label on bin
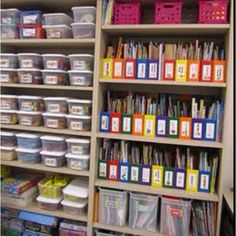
<point>129,70</point>
<point>193,71</point>
<point>55,34</point>
<point>157,176</point>
<point>192,180</point>
<point>77,125</point>
<point>104,123</point>
<point>185,128</point>
<point>115,124</point>
<point>219,72</point>
<point>51,79</point>
<point>134,173</point>
<point>103,169</point>
<point>26,78</point>
<point>180,68</point>
<point>118,69</point>
<point>161,127</point>
<point>138,124</point>
<point>112,203</point>
<point>27,106</point>
<point>50,161</point>
<point>31,32</point>
<point>153,70</point>
<point>79,65</point>
<point>197,130</point>
<point>204,183</point>
<point>76,149</point>
<point>141,70</point>
<point>26,120</point>
<point>4,63</point>
<point>52,64</point>
<point>149,126</point>
<point>169,178</point>
<point>5,78</point>
<point>126,124</point>
<point>5,104</point>
<point>169,70</point>
<point>124,171</point>
<point>51,123</point>
<point>77,110</point>
<point>53,107</point>
<point>146,175</point>
<point>5,119</point>
<point>180,179</point>
<point>75,164</point>
<point>27,63</point>
<point>143,208</point>
<point>210,130</point>
<point>30,19</point>
<point>6,20</point>
<point>173,128</point>
<point>78,80</point>
<point>206,72</point>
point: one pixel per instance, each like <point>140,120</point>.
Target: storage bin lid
<point>79,117</point>
<point>10,9</point>
<point>9,134</point>
<point>54,55</point>
<point>56,154</point>
<point>82,101</point>
<point>52,138</point>
<point>29,54</point>
<point>75,156</point>
<point>77,188</point>
<point>58,14</point>
<point>56,26</point>
<point>29,112</point>
<point>81,55</point>
<point>80,71</point>
<point>28,150</point>
<point>88,24</point>
<point>48,200</point>
<point>8,55</point>
<point>7,69</point>
<point>28,70</point>
<point>29,12</point>
<point>8,111</point>
<point>77,140</point>
<point>55,99</point>
<point>7,148</point>
<point>30,97</point>
<point>27,135</point>
<point>8,96</point>
<point>54,115</point>
<point>54,71</point>
<point>80,204</point>
<point>84,7</point>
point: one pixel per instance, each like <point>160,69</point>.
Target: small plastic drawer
<point>10,16</point>
<point>53,159</point>
<point>9,32</point>
<point>26,140</point>
<point>28,155</point>
<point>55,77</point>
<point>56,104</point>
<point>78,146</point>
<point>54,121</point>
<point>83,30</point>
<point>8,60</point>
<point>75,208</point>
<point>8,153</point>
<point>31,17</point>
<point>77,162</point>
<point>81,62</point>
<point>84,14</point>
<point>48,203</point>
<point>80,107</point>
<point>30,60</point>
<point>31,32</point>
<point>80,123</point>
<point>55,62</point>
<point>112,207</point>
<point>57,19</point>
<point>107,233</point>
<point>9,117</point>
<point>30,118</point>
<point>31,103</point>
<point>143,210</point>
<point>30,76</point>
<point>58,31</point>
<point>8,139</point>
<point>81,78</point>
<point>8,102</point>
<point>8,76</point>
<point>53,143</point>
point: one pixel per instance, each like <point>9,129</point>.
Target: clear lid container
<point>75,140</point>
<point>9,134</point>
<point>52,138</point>
<point>28,150</point>
<point>74,156</point>
<point>78,117</point>
<point>30,97</point>
<point>77,188</point>
<point>49,200</point>
<point>27,135</point>
<point>55,99</point>
<point>80,204</point>
<point>56,154</point>
<point>53,114</point>
<point>7,148</point>
<point>29,112</point>
<point>54,55</point>
<point>80,101</point>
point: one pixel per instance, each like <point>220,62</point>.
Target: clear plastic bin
<point>26,140</point>
<point>31,17</point>
<point>107,233</point>
<point>53,143</point>
<point>75,208</point>
<point>9,32</point>
<point>9,117</point>
<point>8,139</point>
<point>83,30</point>
<point>112,207</point>
<point>72,228</point>
<point>175,216</point>
<point>78,146</point>
<point>58,31</point>
<point>31,31</point>
<point>8,60</point>
<point>28,155</point>
<point>30,76</point>
<point>30,60</point>
<point>81,78</point>
<point>10,16</point>
<point>31,103</point>
<point>8,102</point>
<point>55,62</point>
<point>8,76</point>
<point>53,159</point>
<point>84,14</point>
<point>81,62</point>
<point>7,153</point>
<point>57,19</point>
<point>77,162</point>
<point>80,123</point>
<point>55,77</point>
<point>54,121</point>
<point>56,104</point>
<point>30,118</point>
<point>143,210</point>
<point>48,203</point>
<point>80,107</point>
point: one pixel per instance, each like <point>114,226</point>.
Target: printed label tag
<point>76,149</point>
<point>5,78</point>
<point>4,63</point>
<point>77,110</point>
<point>30,19</point>
<point>180,177</point>
<point>126,124</point>
<point>141,70</point>
<point>106,69</point>
<point>78,80</point>
<point>79,65</point>
<point>129,69</point>
<point>169,178</point>
<point>204,182</point>
<point>25,120</point>
<point>115,124</point>
<point>112,204</point>
<point>50,161</point>
<point>157,176</point>
<point>138,124</point>
<point>104,122</point>
<point>75,164</point>
<point>169,70</point>
<point>76,125</point>
<point>161,127</point>
<point>27,63</point>
<point>149,126</point>
<point>5,105</point>
<point>118,69</point>
<point>29,32</point>
<point>51,79</point>
<point>54,35</point>
<point>6,20</point>
<point>153,70</point>
<point>5,119</point>
<point>54,107</point>
<point>124,172</point>
<point>219,72</point>
<point>102,169</point>
<point>173,128</point>
<point>185,128</point>
<point>26,78</point>
<point>52,64</point>
<point>192,180</point>
<point>146,175</point>
<point>197,130</point>
<point>113,172</point>
<point>210,130</point>
<point>134,173</point>
<point>206,72</point>
<point>180,71</point>
<point>26,106</point>
<point>193,71</point>
<point>51,123</point>
<point>143,208</point>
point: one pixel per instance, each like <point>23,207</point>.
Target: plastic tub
<point>31,103</point>
<point>8,139</point>
<point>55,62</point>
<point>81,61</point>
<point>84,14</point>
<point>9,32</point>
<point>48,203</point>
<point>83,30</point>
<point>30,118</point>
<point>54,121</point>
<point>28,155</point>
<point>78,146</point>
<point>8,60</point>
<point>107,233</point>
<point>53,159</point>
<point>72,228</point>
<point>8,76</point>
<point>26,140</point>
<point>77,162</point>
<point>81,78</point>
<point>31,17</point>
<point>30,60</point>
<point>80,107</point>
<point>10,16</point>
<point>56,104</point>
<point>80,123</point>
<point>55,77</point>
<point>31,32</point>
<point>75,208</point>
<point>9,117</point>
<point>53,143</point>
<point>8,102</point>
<point>57,19</point>
<point>8,153</point>
<point>30,76</point>
<point>58,31</point>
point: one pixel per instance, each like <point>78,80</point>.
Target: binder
<point>169,69</point>
<point>185,127</point>
<point>118,68</point>
<point>197,129</point>
<point>130,68</point>
<point>134,173</point>
<point>173,127</point>
<point>126,127</point>
<point>104,121</point>
<point>204,181</point>
<point>149,125</point>
<point>145,174</point>
<point>192,180</point>
<point>137,124</point>
<point>168,177</point>
<point>157,176</point>
<point>123,172</point>
<point>115,122</point>
<point>153,66</point>
<point>142,69</point>
<point>161,127</point>
<point>210,129</point>
<point>218,71</point>
<point>107,68</point>
<point>113,170</point>
<point>180,177</point>
<point>206,71</point>
<point>102,169</point>
<point>181,70</point>
<point>193,70</point>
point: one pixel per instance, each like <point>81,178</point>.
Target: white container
<point>77,162</point>
<point>50,204</point>
<point>58,31</point>
<point>8,139</point>
<point>8,75</point>
<point>53,159</point>
<point>30,60</point>
<point>54,121</point>
<point>30,118</point>
<point>9,31</point>
<point>55,77</point>
<point>8,60</point>
<point>78,146</point>
<point>80,107</point>
<point>81,62</point>
<point>8,117</point>
<point>30,76</point>
<point>55,62</point>
<point>57,19</point>
<point>53,143</point>
<point>83,30</point>
<point>7,153</point>
<point>28,155</point>
<point>8,102</point>
<point>26,140</point>
<point>81,78</point>
<point>56,104</point>
<point>80,123</point>
<point>84,14</point>
<point>10,16</point>
<point>75,208</point>
<point>31,103</point>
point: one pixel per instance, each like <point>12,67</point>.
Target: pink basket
<point>213,11</point>
<point>127,13</point>
<point>168,12</point>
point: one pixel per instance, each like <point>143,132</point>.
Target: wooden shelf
<point>173,141</point>
<point>41,167</point>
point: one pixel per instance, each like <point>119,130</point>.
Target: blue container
<point>25,140</point>
<point>28,155</point>
<point>31,17</point>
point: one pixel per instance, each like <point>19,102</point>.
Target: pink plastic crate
<point>127,13</point>
<point>213,11</point>
<point>168,12</point>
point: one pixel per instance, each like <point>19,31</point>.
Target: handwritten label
<point>173,127</point>
<point>53,107</point>
<point>27,63</point>
<point>192,180</point>
<point>50,161</point>
<point>6,20</point>
<point>26,106</point>
<point>26,120</point>
<point>52,123</point>
<point>157,176</point>
<point>76,149</point>
<point>115,124</point>
<point>51,79</point>
<point>76,125</point>
<point>26,78</point>
<point>149,126</point>
<point>79,65</point>
<point>52,64</point>
<point>77,110</point>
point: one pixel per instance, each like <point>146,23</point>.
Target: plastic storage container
<point>30,76</point>
<point>80,107</point>
<point>81,78</point>
<point>55,77</point>
<point>77,162</point>
<point>8,60</point>
<point>30,118</point>
<point>57,19</point>
<point>78,146</point>
<point>55,62</point>
<point>8,153</point>
<point>31,17</point>
<point>31,32</point>
<point>48,203</point>
<point>9,32</point>
<point>54,121</point>
<point>53,143</point>
<point>30,60</point>
<point>81,61</point>
<point>112,207</point>
<point>8,75</point>
<point>10,16</point>
<point>8,102</point>
<point>143,210</point>
<point>8,139</point>
<point>9,117</point>
<point>56,104</point>
<point>107,233</point>
<point>28,155</point>
<point>83,30</point>
<point>53,159</point>
<point>75,208</point>
<point>26,140</point>
<point>31,103</point>
<point>84,14</point>
<point>72,228</point>
<point>80,123</point>
<point>58,31</point>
